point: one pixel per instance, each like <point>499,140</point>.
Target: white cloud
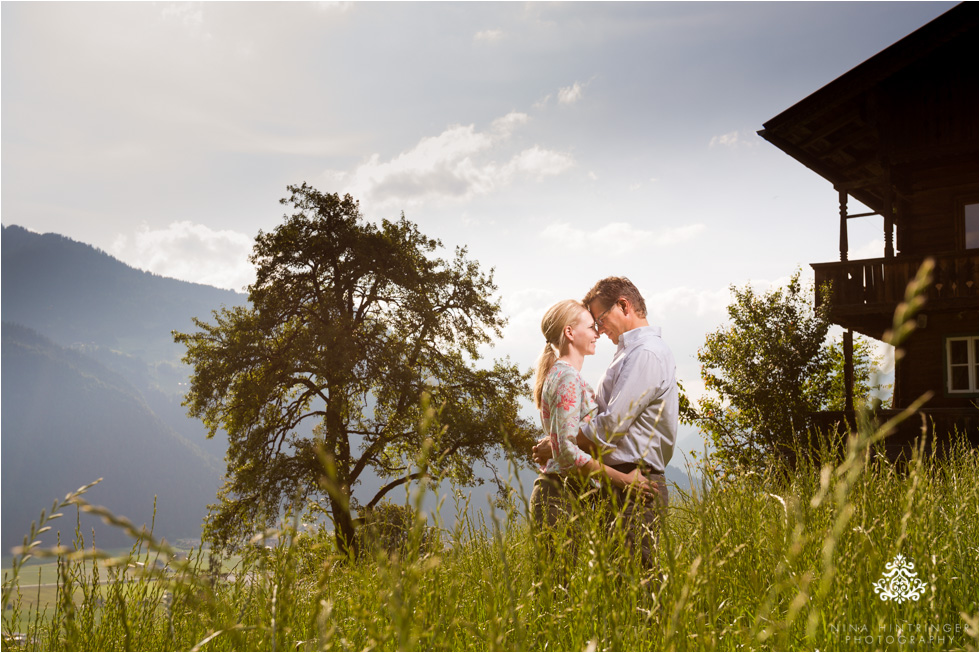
<point>727,140</point>
<point>538,162</point>
<point>506,125</point>
<point>566,95</point>
<point>488,36</point>
<point>543,102</point>
<point>620,235</point>
<point>734,139</point>
<point>874,248</point>
<point>458,164</point>
<point>571,94</point>
<point>191,252</point>
<point>189,15</point>
<point>525,298</point>
<point>524,308</point>
<point>679,234</point>
<point>683,300</point>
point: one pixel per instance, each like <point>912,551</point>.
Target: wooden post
<point>849,370</point>
<point>842,197</point>
<point>889,200</point>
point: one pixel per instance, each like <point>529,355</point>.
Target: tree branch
<point>411,477</point>
<point>391,486</point>
<point>373,449</point>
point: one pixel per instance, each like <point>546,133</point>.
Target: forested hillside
<point>92,385</point>
<point>68,420</point>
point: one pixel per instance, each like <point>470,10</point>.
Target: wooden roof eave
<point>881,66</point>
<point>858,188</point>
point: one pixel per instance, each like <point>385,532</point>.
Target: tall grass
<point>782,560</point>
<point>770,562</point>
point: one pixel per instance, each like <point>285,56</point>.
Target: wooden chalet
<point>899,134</point>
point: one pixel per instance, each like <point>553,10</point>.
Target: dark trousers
<point>555,497</point>
<point>641,516</point>
<point>556,504</point>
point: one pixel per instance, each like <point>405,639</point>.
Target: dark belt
<point>648,472</point>
<point>645,469</point>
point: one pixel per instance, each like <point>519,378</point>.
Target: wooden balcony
<point>864,293</point>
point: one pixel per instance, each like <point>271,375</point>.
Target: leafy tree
<point>767,371</point>
<point>867,387</point>
<point>349,324</point>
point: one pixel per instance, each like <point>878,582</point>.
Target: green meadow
<point>848,551</point>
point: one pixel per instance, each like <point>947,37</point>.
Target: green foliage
<point>766,372</point>
<point>744,563</point>
<point>349,324</point>
<point>389,527</point>
<point>867,387</point>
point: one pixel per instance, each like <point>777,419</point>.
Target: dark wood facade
<point>899,134</point>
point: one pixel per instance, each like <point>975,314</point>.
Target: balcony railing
<point>880,283</point>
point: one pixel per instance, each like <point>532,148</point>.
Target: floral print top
<point>566,401</point>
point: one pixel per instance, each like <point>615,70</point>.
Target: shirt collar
<point>634,336</point>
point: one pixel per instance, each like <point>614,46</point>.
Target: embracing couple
<point>624,434</point>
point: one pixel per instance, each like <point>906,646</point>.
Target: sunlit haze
<point>559,142</point>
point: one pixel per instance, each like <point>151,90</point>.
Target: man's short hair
<point>610,289</point>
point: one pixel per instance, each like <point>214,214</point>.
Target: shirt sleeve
<point>638,383</point>
<point>570,403</point>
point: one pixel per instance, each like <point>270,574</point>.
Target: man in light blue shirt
<point>637,397</point>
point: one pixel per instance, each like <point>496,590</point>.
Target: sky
<point>559,142</point>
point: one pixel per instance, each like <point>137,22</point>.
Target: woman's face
<point>581,336</point>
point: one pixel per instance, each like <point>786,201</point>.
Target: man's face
<point>611,319</point>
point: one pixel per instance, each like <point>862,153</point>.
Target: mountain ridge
<point>75,294</point>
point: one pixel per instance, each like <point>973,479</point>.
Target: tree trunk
<point>338,446</point>
<point>343,528</point>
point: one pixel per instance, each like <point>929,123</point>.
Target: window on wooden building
<point>962,365</point>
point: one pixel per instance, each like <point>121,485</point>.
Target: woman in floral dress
<point>565,401</point>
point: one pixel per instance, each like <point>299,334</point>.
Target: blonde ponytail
<point>553,325</point>
<point>547,358</point>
